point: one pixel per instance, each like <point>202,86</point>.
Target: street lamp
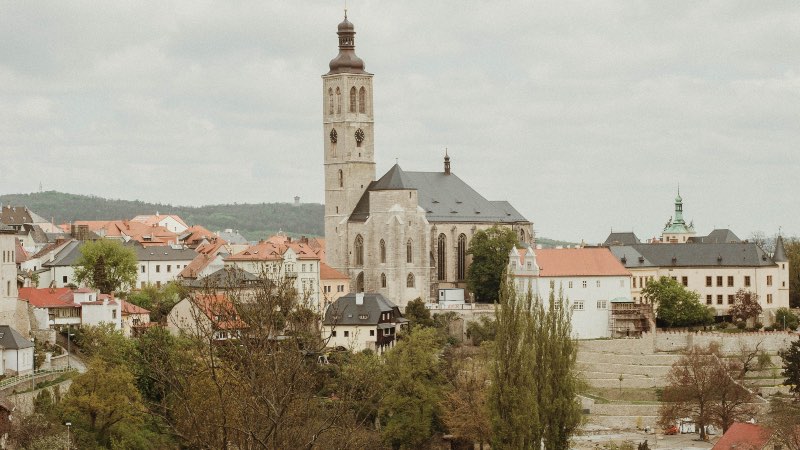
<point>68,424</point>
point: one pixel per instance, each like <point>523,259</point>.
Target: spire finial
<point>345,9</point>
<point>446,162</point>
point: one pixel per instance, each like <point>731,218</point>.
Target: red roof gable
<point>327,272</point>
<point>47,297</point>
<point>130,308</point>
<point>739,434</point>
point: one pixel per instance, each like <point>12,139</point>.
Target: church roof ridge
<point>395,178</point>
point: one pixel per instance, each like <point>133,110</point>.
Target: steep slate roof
<point>232,236</point>
<point>444,197</point>
<point>718,236</point>
<point>161,252</point>
<point>570,262</point>
<point>12,340</point>
<point>744,254</point>
<point>780,251</point>
<point>18,215</point>
<point>622,238</point>
<point>67,255</point>
<point>744,436</point>
<point>344,310</point>
<point>6,229</point>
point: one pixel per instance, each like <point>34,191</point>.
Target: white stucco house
<point>589,278</point>
<point>18,352</point>
<point>362,321</point>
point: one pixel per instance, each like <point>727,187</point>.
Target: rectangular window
<point>169,268</point>
<point>747,281</point>
<point>114,314</point>
<point>709,299</point>
<point>569,285</point>
<point>685,281</point>
<point>769,280</point>
<point>719,280</point>
<point>333,333</point>
<point>346,333</point>
<point>719,299</point>
<point>621,283</point>
<point>158,268</point>
<point>142,268</point>
<point>708,281</point>
<point>577,305</point>
<point>372,332</point>
<point>584,284</point>
<point>769,299</point>
<point>598,283</point>
<point>602,304</point>
<point>552,284</point>
<point>674,278</point>
<point>730,281</point>
<point>634,282</point>
<point>64,279</point>
<point>731,299</point>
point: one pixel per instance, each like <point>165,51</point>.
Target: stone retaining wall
<point>613,409</point>
<point>677,341</point>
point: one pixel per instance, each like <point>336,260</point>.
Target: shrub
<point>770,328</point>
<point>784,315</point>
<point>758,326</point>
<point>741,325</point>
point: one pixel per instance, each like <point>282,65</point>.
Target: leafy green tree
<point>418,314</point>
<point>106,265</point>
<point>465,408</point>
<point>784,317</point>
<point>414,389</point>
<point>534,381</point>
<point>158,300</point>
<point>677,306</point>
<point>791,367</point>
<point>482,330</point>
<point>489,249</point>
<point>745,306</point>
<point>792,247</point>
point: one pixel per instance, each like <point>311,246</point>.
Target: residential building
<point>170,222</point>
<point>128,230</point>
<point>590,280</point>
<point>135,319</point>
<point>232,236</point>
<point>202,314</point>
<point>747,436</point>
<point>8,273</point>
<point>52,307</point>
<point>158,265</point>
<point>98,309</point>
<point>405,234</point>
<point>197,235</point>
<point>18,352</point>
<point>362,321</point>
<point>282,258</point>
<point>335,284</point>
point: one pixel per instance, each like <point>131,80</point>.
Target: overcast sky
<point>585,115</point>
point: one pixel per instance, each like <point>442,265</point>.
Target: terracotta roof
<point>195,234</point>
<point>47,297</point>
<point>20,255</point>
<point>130,308</point>
<point>273,249</point>
<point>155,218</point>
<point>567,262</point>
<point>742,436</point>
<point>327,272</point>
<point>218,305</point>
<point>197,265</point>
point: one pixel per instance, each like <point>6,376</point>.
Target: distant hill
<point>254,221</point>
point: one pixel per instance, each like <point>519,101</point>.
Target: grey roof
<point>780,251</point>
<point>224,278</point>
<point>6,229</point>
<point>232,237</point>
<point>622,238</point>
<point>344,310</point>
<point>11,339</point>
<point>445,198</point>
<point>67,256</point>
<point>718,236</point>
<point>739,254</point>
<point>36,232</point>
<point>161,252</point>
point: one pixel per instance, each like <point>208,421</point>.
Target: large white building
<point>8,274</point>
<point>590,279</point>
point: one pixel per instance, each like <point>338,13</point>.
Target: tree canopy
<point>745,305</point>
<point>106,265</point>
<point>677,306</point>
<point>489,249</point>
<point>792,247</point>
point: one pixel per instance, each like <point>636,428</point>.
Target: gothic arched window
<point>341,178</point>
<point>522,235</point>
<point>360,282</point>
<point>330,101</point>
<point>353,99</point>
<point>441,253</point>
<point>462,256</point>
<point>358,248</point>
<point>410,280</point>
<point>409,251</point>
<point>383,280</point>
<point>362,100</point>
<point>338,101</point>
<point>383,251</point>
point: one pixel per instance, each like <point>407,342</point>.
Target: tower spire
<point>446,162</point>
<point>346,61</point>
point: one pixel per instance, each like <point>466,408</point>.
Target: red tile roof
<point>219,305</point>
<point>155,218</point>
<point>197,233</point>
<point>742,436</point>
<point>273,249</point>
<point>197,265</point>
<point>48,297</point>
<point>130,308</point>
<point>567,262</point>
<point>327,272</point>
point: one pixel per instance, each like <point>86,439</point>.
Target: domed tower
<point>348,141</point>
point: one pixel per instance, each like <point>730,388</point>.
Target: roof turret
<point>780,252</point>
<point>346,61</point>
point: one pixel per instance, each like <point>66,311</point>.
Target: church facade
<point>406,234</point>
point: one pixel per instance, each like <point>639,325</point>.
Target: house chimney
<point>360,298</point>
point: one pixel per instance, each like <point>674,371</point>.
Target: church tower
<point>349,141</point>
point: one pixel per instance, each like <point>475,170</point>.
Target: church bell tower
<point>349,141</point>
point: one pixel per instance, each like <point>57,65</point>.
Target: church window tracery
<point>353,99</point>
<point>410,280</point>
<point>330,101</point>
<point>409,251</point>
<point>383,280</point>
<point>362,100</point>
<point>359,250</point>
<point>338,101</point>
<point>383,251</point>
<point>360,282</point>
<point>462,256</point>
<point>341,178</point>
<point>441,252</point>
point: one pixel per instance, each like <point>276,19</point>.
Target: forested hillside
<point>254,221</point>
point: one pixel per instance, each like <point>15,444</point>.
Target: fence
<point>461,307</point>
<point>12,381</point>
